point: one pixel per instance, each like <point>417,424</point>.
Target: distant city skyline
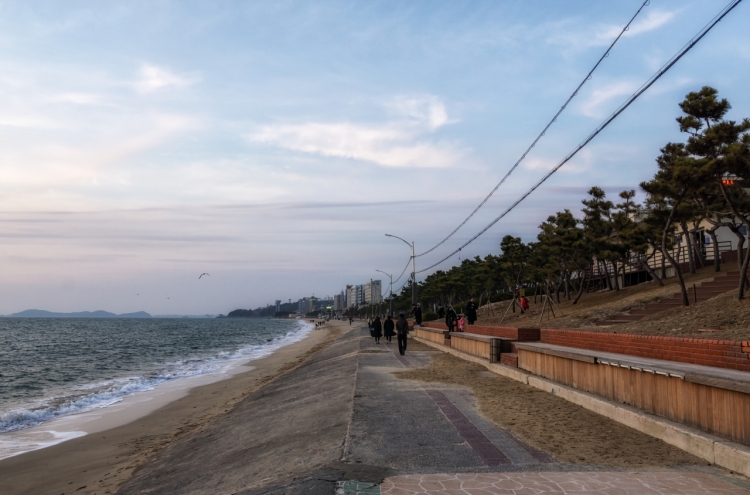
<point>273,145</point>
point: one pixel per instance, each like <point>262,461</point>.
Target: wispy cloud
<point>653,20</point>
<point>153,78</point>
<point>425,110</point>
<point>597,104</point>
<point>562,32</point>
<point>399,143</point>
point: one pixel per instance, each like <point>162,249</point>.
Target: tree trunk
<point>606,273</point>
<point>580,289</point>
<point>615,273</point>
<point>652,273</point>
<point>698,252</point>
<point>717,254</point>
<point>676,266</point>
<point>689,244</point>
<point>743,268</point>
<point>567,286</point>
<point>663,265</point>
<point>740,250</point>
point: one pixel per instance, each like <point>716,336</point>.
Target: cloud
<point>399,143</point>
<point>426,110</point>
<point>654,20</point>
<point>595,105</point>
<point>580,163</point>
<point>78,99</point>
<point>563,32</point>
<point>153,78</point>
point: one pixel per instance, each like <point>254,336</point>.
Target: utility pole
<point>390,289</point>
<point>413,269</point>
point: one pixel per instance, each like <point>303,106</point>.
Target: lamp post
<point>390,289</point>
<point>413,269</point>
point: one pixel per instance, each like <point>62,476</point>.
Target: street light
<point>413,269</point>
<point>390,289</point>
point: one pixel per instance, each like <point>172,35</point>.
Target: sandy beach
<point>99,462</point>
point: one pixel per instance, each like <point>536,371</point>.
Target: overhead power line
<point>554,119</point>
<point>404,270</point>
<point>703,32</point>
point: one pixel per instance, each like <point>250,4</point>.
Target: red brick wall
<point>730,354</point>
<point>520,334</point>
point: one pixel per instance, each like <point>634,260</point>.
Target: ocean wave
<point>98,395</point>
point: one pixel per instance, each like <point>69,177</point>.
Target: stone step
<point>509,359</point>
<point>630,317</point>
<point>646,312</point>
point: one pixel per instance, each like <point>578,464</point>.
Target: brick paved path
<point>588,483</point>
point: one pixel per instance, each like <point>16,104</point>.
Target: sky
<point>273,144</point>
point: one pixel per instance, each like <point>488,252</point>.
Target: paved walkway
<point>596,483</point>
<point>344,424</point>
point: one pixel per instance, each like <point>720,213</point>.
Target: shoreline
<point>134,405</point>
<point>128,408</point>
<point>98,462</point>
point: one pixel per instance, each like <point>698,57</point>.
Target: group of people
<point>458,322</point>
<point>389,328</point>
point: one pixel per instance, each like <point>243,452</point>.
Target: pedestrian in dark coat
<point>417,312</point>
<point>377,329</point>
<point>441,312</point>
<point>389,326</point>
<point>471,311</point>
<point>402,327</point>
<point>450,319</point>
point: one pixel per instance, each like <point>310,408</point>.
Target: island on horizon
<point>40,313</point>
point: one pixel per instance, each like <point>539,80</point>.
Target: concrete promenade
<point>343,423</point>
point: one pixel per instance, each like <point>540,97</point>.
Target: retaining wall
<point>730,354</point>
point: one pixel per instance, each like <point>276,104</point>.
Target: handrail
<point>680,255</point>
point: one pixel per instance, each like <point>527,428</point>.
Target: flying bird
<point>204,274</point>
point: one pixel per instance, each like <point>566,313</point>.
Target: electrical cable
<point>554,119</point>
<point>668,65</point>
<point>404,271</point>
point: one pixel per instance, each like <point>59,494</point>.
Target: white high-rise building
<point>355,295</point>
<point>372,292</point>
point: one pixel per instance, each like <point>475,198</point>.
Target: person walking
<point>377,329</point>
<point>441,312</point>
<point>388,329</point>
<point>417,312</point>
<point>450,318</point>
<point>402,327</point>
<point>471,311</point>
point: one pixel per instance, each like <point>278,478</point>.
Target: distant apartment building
<point>278,305</point>
<point>355,295</point>
<point>372,292</point>
<point>339,303</point>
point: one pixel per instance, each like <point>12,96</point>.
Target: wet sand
<point>100,462</point>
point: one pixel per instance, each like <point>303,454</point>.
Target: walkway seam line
<point>716,450</point>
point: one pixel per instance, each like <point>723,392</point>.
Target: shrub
<point>429,316</point>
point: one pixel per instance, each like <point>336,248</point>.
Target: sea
<point>57,367</point>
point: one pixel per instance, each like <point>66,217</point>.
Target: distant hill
<point>40,313</point>
<point>241,313</point>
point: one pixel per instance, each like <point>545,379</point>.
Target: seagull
<point>204,274</point>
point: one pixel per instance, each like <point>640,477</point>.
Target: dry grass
<point>723,317</point>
